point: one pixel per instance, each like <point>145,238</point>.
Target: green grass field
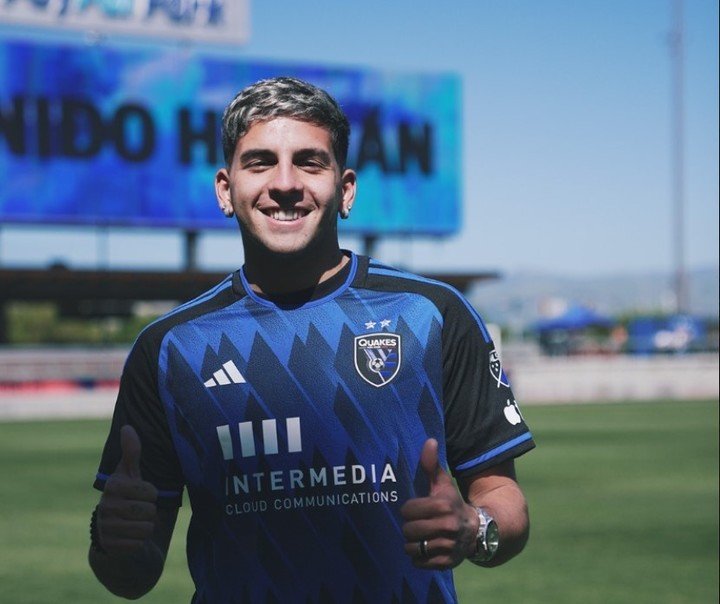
<point>623,500</point>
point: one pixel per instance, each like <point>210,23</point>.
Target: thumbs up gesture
<point>127,512</point>
<point>439,529</point>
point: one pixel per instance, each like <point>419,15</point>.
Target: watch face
<point>492,536</point>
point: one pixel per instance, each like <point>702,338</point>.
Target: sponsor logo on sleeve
<point>512,412</point>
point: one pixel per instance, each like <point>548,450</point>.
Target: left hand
<point>442,519</point>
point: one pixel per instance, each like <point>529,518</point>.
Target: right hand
<point>443,520</point>
<point>127,510</point>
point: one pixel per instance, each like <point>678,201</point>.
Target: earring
<point>345,213</point>
<point>228,211</point>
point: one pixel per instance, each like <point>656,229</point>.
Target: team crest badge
<point>378,357</point>
<point>496,369</point>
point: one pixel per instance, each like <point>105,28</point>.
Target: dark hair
<point>284,97</point>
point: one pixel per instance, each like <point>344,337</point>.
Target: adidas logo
<point>228,374</point>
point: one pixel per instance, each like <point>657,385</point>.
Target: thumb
<point>430,463</point>
<point>131,449</point>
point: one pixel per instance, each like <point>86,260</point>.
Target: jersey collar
<point>312,296</point>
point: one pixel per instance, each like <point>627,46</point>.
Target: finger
<point>416,549</point>
<point>446,526</point>
<point>131,450</point>
<point>419,529</point>
<point>420,549</point>
<point>116,529</point>
<point>438,554</point>
<point>129,510</point>
<point>424,508</point>
<point>430,463</point>
<point>123,546</point>
<point>123,487</point>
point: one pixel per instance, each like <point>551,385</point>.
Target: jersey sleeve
<point>483,422</point>
<point>138,404</point>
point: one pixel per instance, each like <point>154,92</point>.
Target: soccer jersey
<point>296,424</point>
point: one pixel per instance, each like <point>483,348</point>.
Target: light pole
<point>678,168</point>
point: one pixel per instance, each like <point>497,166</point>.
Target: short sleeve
<point>483,422</point>
<point>138,404</point>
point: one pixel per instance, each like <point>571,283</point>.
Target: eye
<point>257,160</point>
<point>312,165</point>
<point>312,160</point>
<point>257,164</point>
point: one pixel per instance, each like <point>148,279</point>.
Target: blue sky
<point>567,132</point>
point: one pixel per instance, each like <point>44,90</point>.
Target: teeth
<point>285,215</point>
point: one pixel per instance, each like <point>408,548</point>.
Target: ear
<point>222,192</point>
<point>348,184</point>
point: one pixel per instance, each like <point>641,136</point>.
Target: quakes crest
<point>378,357</point>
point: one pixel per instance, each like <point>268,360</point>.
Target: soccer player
<point>313,405</point>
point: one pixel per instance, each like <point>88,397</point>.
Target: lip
<point>284,215</point>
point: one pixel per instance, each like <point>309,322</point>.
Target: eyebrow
<point>301,154</point>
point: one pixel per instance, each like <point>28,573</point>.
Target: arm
<point>447,521</point>
<point>496,491</point>
<point>131,536</point>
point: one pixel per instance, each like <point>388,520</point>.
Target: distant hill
<point>516,300</point>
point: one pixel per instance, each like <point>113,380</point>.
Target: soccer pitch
<point>623,500</point>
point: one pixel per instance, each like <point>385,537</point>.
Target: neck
<point>282,274</point>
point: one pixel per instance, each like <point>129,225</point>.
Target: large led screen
<point>125,136</point>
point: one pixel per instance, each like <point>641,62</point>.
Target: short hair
<point>284,97</point>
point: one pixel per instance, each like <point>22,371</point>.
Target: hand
<point>443,520</point>
<point>127,511</point>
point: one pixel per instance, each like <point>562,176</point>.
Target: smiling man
<point>284,184</point>
<point>313,405</point>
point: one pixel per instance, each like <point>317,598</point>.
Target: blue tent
<point>576,317</point>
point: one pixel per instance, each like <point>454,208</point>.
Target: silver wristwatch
<point>487,540</point>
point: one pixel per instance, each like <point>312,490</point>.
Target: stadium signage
<point>147,123</point>
<point>217,21</point>
<point>74,127</point>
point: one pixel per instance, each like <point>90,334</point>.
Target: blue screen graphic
<point>103,135</point>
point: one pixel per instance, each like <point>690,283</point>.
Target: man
<point>310,403</point>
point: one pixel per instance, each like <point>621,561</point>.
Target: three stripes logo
<point>227,374</point>
<point>270,438</point>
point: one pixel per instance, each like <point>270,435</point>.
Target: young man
<point>310,404</point>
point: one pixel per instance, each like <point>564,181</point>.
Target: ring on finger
<point>423,548</point>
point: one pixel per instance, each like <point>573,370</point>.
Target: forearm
<point>506,504</point>
<point>130,576</point>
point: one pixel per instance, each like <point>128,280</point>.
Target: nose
<point>285,181</point>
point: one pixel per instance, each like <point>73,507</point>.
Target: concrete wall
<point>585,379</point>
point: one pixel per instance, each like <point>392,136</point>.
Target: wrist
<point>473,524</point>
<point>487,538</point>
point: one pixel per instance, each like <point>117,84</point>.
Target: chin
<point>290,250</point>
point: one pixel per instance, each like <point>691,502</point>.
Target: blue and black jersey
<point>296,424</point>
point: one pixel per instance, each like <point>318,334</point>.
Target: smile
<point>286,215</point>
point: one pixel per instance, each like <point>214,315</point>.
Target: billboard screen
<point>125,136</point>
<point>214,21</point>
